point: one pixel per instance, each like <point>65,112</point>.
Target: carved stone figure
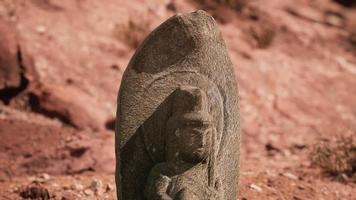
<point>189,151</point>
<point>177,130</point>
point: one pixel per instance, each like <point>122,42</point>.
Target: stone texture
<point>177,130</point>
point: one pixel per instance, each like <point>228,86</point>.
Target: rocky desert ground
<point>61,63</point>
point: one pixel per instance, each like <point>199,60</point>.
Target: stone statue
<point>189,151</point>
<point>177,130</point>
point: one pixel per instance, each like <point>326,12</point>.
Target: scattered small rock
<point>70,195</point>
<point>65,187</point>
<point>109,187</point>
<point>78,152</point>
<point>96,184</point>
<point>271,147</point>
<point>42,178</point>
<point>286,152</point>
<point>68,139</point>
<point>77,187</point>
<point>55,185</point>
<point>256,187</point>
<point>34,192</point>
<point>300,187</point>
<point>344,177</point>
<point>45,177</point>
<point>97,187</point>
<point>291,176</point>
<point>334,19</point>
<point>41,29</point>
<point>306,13</point>
<point>299,146</point>
<point>272,150</point>
<point>31,178</point>
<point>88,192</point>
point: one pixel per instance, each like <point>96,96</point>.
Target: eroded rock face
<point>177,130</point>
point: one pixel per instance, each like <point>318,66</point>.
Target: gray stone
<point>177,126</point>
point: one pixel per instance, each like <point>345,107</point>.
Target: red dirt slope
<point>61,63</point>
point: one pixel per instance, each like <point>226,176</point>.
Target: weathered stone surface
<point>177,130</point>
<point>56,101</point>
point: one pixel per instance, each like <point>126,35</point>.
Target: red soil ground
<point>295,62</point>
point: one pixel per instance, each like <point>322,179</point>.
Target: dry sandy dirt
<point>61,64</point>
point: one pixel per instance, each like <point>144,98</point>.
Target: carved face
<point>193,141</point>
<point>190,128</point>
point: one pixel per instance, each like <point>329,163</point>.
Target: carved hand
<point>158,183</point>
<point>184,194</point>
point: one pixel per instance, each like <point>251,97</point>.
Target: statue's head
<point>190,128</point>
